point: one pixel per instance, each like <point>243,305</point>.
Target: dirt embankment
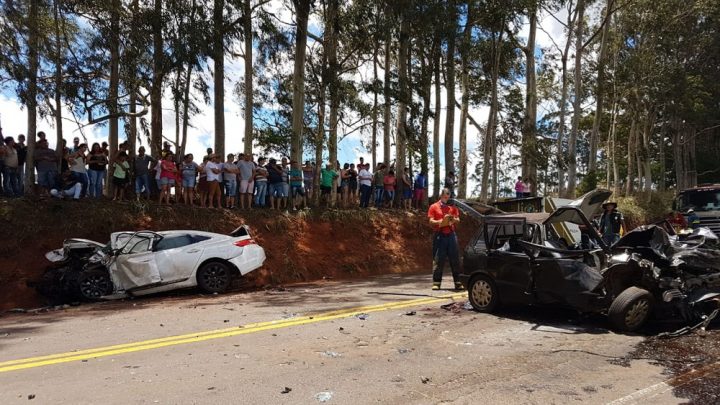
<point>307,246</point>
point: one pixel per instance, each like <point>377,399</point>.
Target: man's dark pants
<point>445,246</point>
<point>365,192</point>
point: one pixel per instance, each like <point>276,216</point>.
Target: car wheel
<point>631,309</point>
<point>483,293</point>
<point>94,284</point>
<point>214,277</point>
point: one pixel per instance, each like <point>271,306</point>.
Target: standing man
<point>365,179</point>
<point>450,183</point>
<point>22,157</point>
<point>142,173</point>
<point>46,162</point>
<point>297,191</point>
<point>443,219</point>
<point>610,223</point>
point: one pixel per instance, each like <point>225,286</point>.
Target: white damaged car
<point>147,262</point>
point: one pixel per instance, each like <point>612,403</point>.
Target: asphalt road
<point>383,340</point>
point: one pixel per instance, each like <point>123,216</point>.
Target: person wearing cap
<point>610,223</point>
<point>443,218</point>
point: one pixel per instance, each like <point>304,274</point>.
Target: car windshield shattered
<point>519,258</point>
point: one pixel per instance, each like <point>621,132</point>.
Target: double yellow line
<point>32,362</point>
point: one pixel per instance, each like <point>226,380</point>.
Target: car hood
<point>591,203</point>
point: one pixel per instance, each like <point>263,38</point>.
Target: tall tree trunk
<point>320,134</point>
<point>450,87</point>
<point>647,136</point>
<point>437,58</point>
<point>630,154</point>
<point>464,101</point>
<point>401,140</point>
<point>375,106</point>
<point>249,101</point>
<point>612,169</point>
<point>489,143</point>
<point>577,103</point>
<point>219,75</point>
<point>157,81</point>
<point>58,82</point>
<point>600,94</point>
<point>426,70</point>
<point>186,109</point>
<point>560,157</point>
<point>132,89</point>
<point>302,11</point>
<point>331,30</point>
<point>661,153</point>
<point>387,99</point>
<point>528,150</point>
<point>114,85</point>
<point>31,101</point>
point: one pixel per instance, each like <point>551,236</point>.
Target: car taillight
<point>244,242</point>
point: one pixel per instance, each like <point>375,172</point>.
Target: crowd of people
<point>232,181</point>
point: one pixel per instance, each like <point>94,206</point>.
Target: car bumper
<point>252,257</point>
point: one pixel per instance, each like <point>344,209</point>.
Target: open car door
<point>506,259</point>
<point>135,265</point>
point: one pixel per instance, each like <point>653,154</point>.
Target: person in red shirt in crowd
<point>443,218</point>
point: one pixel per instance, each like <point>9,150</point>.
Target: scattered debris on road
<point>286,390</point>
<point>362,317</point>
<point>411,313</point>
<point>424,379</point>
<point>31,397</point>
<point>324,396</point>
<point>328,353</point>
<point>457,307</point>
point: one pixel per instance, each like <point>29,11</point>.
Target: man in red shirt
<point>443,219</point>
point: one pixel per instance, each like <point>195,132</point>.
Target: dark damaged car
<point>520,259</point>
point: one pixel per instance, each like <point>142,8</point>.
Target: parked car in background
<point>147,262</point>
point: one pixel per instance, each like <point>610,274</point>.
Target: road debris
<point>324,396</point>
<point>286,390</point>
<point>397,379</point>
<point>457,307</point>
<point>362,317</point>
<point>328,353</point>
<point>424,379</point>
<point>288,316</point>
<point>411,313</point>
<point>403,350</point>
<point>31,397</point>
<point>362,343</point>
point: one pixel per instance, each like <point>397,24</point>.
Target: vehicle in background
<point>704,200</point>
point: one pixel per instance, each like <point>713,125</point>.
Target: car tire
<point>214,277</point>
<point>483,293</point>
<point>631,309</point>
<point>93,284</point>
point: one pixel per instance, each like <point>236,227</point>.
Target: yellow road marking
<point>32,362</point>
